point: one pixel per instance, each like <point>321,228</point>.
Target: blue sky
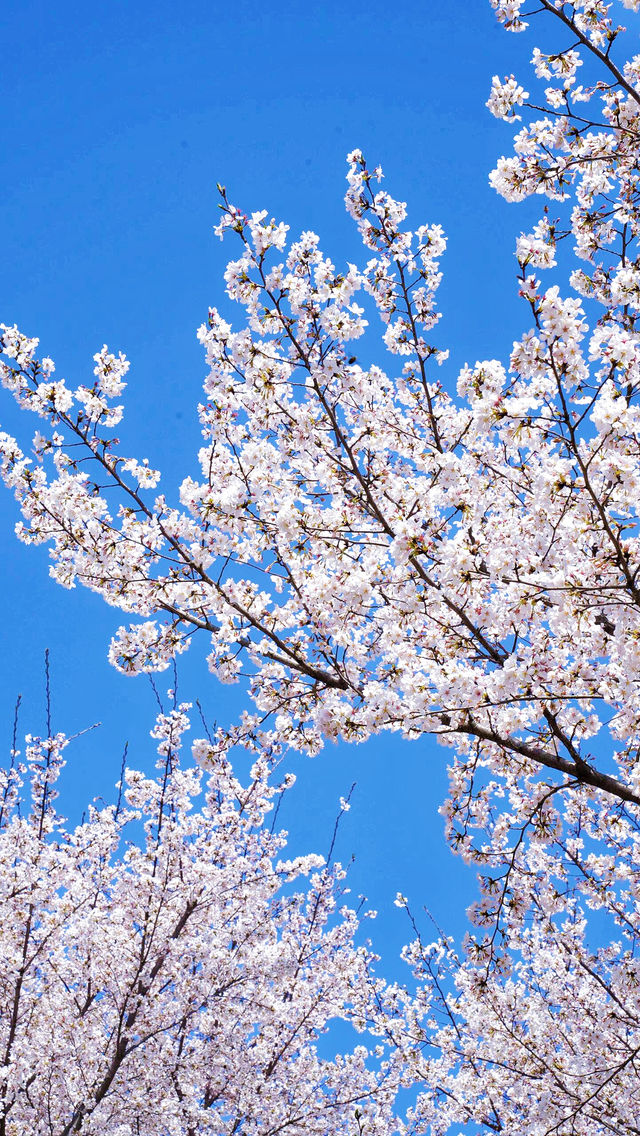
<point>119,120</point>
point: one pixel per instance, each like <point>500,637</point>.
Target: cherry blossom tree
<point>372,550</point>
<point>374,553</point>
<point>535,1027</point>
<point>178,983</point>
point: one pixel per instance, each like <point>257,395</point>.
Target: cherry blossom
<point>391,546</point>
<point>369,551</point>
<point>179,983</point>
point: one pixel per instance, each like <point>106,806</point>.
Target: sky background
<point>119,120</point>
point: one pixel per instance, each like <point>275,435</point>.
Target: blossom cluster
<point>180,984</point>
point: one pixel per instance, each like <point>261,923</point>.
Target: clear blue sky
<point>119,120</point>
